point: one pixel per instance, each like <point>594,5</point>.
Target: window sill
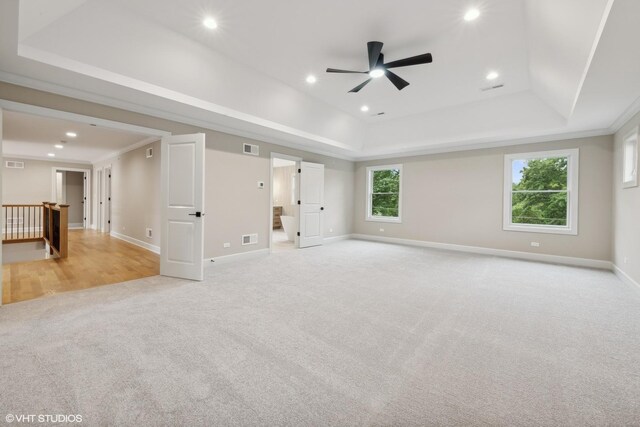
<point>541,229</point>
<point>383,219</point>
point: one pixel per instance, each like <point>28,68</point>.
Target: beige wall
<point>74,183</point>
<point>457,198</point>
<point>626,213</point>
<point>234,204</point>
<point>283,188</point>
<point>34,183</point>
<point>135,193</point>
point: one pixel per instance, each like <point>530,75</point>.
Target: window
<point>541,192</point>
<point>384,193</point>
<point>630,161</point>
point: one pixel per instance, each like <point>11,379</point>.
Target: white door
<point>99,199</point>
<point>182,233</point>
<point>311,204</point>
<point>107,200</point>
<point>85,202</point>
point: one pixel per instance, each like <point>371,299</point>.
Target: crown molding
<point>629,114</point>
<point>44,159</point>
<point>142,143</point>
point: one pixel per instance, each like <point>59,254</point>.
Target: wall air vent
<point>149,152</point>
<point>14,165</point>
<point>249,239</point>
<point>252,149</point>
<point>486,89</point>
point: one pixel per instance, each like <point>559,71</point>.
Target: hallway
<point>95,259</point>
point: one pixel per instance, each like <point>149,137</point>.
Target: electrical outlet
<point>260,185</point>
<point>227,245</point>
<point>149,233</point>
<point>382,230</point>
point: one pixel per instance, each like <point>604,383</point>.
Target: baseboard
<point>237,257</point>
<point>329,240</point>
<point>624,276</point>
<point>153,248</point>
<point>76,226</point>
<point>553,259</point>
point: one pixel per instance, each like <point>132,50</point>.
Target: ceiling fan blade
<point>425,58</point>
<point>360,86</point>
<point>333,70</point>
<point>397,80</point>
<point>374,49</point>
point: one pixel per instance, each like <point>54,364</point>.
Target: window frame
<point>573,178</point>
<point>630,138</point>
<point>369,177</point>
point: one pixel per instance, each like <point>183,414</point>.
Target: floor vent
<point>250,239</point>
<point>252,149</point>
<point>14,165</point>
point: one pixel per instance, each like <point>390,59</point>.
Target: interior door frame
<point>87,187</point>
<point>284,157</point>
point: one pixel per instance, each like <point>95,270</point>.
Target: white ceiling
<point>32,136</point>
<point>568,67</point>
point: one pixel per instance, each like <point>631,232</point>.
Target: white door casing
<point>107,200</point>
<point>182,232</point>
<point>311,204</point>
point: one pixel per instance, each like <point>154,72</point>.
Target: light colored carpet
<point>355,333</point>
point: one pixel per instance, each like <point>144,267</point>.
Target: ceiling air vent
<point>149,152</point>
<point>254,150</point>
<point>14,165</point>
<point>486,89</point>
<point>249,239</point>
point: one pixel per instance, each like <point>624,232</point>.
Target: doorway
<point>72,187</point>
<point>285,186</point>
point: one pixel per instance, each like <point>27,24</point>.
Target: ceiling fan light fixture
<point>376,73</point>
<point>471,15</point>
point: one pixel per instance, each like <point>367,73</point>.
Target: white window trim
<point>573,162</point>
<point>632,137</point>
<point>369,177</point>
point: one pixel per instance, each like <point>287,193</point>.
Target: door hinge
<point>299,170</point>
<point>109,198</point>
<point>298,234</point>
<point>109,222</point>
<point>298,201</point>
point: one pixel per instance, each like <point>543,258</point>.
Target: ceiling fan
<point>377,67</point>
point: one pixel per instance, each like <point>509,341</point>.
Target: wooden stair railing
<point>32,223</point>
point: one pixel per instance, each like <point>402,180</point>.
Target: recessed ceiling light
<point>471,15</point>
<point>59,146</point>
<point>311,79</point>
<point>210,23</point>
<point>492,75</point>
<point>364,108</point>
<point>51,155</point>
<point>376,73</point>
<point>72,134</point>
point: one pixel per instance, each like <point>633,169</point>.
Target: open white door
<point>311,204</point>
<point>182,233</point>
<point>85,203</point>
<point>107,200</point>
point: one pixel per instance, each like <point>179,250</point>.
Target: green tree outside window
<point>539,191</point>
<point>385,195</point>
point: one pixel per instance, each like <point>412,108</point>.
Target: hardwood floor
<point>95,259</point>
